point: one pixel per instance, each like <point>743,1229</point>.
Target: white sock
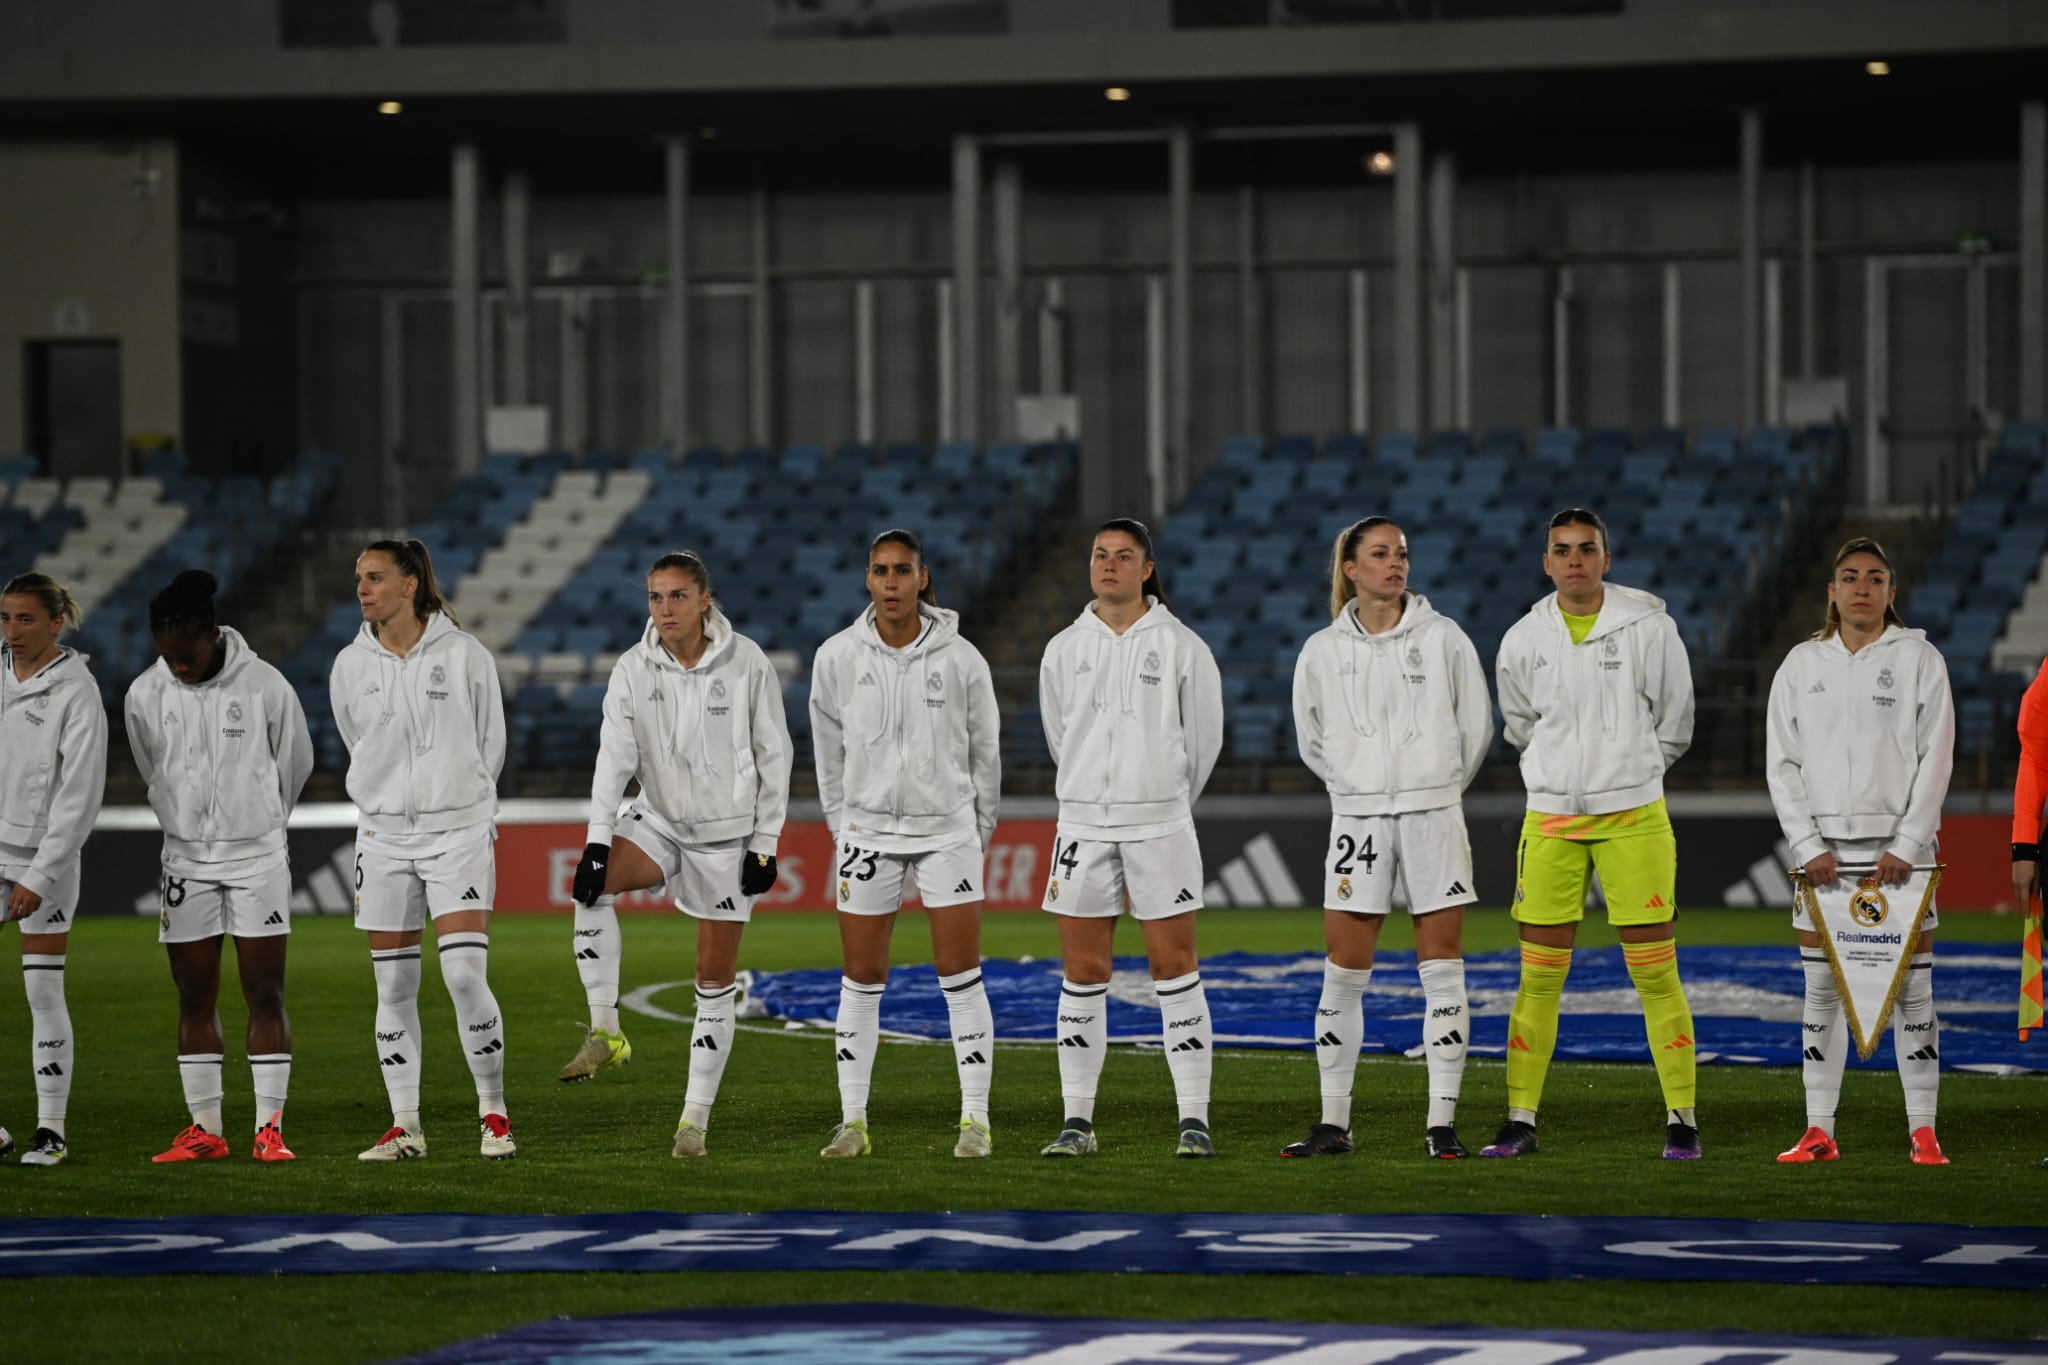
<point>1190,1044</point>
<point>599,945</point>
<point>199,1073</point>
<point>42,976</point>
<point>466,972</point>
<point>1446,1027</point>
<point>710,1047</point>
<point>974,1039</point>
<point>272,1073</point>
<point>398,1030</point>
<point>859,1033</point>
<point>1340,1029</point>
<point>1916,1038</point>
<point>1824,1042</point>
<point>1084,1040</point>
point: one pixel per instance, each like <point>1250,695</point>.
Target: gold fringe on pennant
<point>1808,899</point>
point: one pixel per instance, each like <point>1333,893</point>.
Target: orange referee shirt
<point>2030,789</point>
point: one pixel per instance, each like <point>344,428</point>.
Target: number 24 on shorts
<point>1350,852</point>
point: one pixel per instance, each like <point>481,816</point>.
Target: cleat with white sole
<point>45,1148</point>
<point>601,1051</point>
<point>1077,1138</point>
<point>497,1142</point>
<point>975,1139</point>
<point>398,1144</point>
<point>689,1140</point>
<point>848,1139</point>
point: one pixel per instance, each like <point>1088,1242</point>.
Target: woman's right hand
<point>2026,884</point>
<point>1823,870</point>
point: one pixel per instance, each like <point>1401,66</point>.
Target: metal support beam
<point>1809,285</point>
<point>391,511</point>
<point>864,362</point>
<point>966,289</point>
<point>1674,302</point>
<point>1009,245</point>
<point>1976,350</point>
<point>1180,156</point>
<point>1250,343</point>
<point>1774,342</point>
<point>518,361</point>
<point>1443,302</point>
<point>464,282</point>
<point>675,353</point>
<point>1156,405</point>
<point>949,389</point>
<point>1052,337</point>
<point>1408,339</point>
<point>2034,261</point>
<point>1462,356</point>
<point>760,392</point>
<point>1561,349</point>
<point>1358,352</point>
<point>1876,382</point>
<point>1752,266</point>
<point>575,423</point>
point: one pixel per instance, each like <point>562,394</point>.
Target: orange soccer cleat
<point>194,1144</point>
<point>270,1143</point>
<point>1924,1149</point>
<point>1815,1146</point>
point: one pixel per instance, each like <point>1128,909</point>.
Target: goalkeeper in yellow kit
<point>1596,692</point>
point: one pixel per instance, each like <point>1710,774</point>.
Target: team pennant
<point>2030,971</point>
<point>1869,931</point>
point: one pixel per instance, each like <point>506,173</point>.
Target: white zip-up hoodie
<point>709,744</point>
<point>1597,722</point>
<point>1861,746</point>
<point>225,759</point>
<point>425,733</point>
<point>1134,721</point>
<point>53,733</point>
<point>907,741</point>
<point>1395,722</point>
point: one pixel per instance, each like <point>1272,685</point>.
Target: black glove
<point>757,873</point>
<point>590,872</point>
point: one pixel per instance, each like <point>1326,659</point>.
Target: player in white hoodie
<point>1133,711</point>
<point>221,740</point>
<point>903,718</point>
<point>1391,712</point>
<point>694,713</point>
<point>417,703</point>
<point>1596,691</point>
<point>1860,744</point>
<point>53,732</point>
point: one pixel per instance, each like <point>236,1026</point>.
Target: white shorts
<point>701,880</point>
<point>397,895</point>
<point>253,905</point>
<point>1160,877</point>
<point>1421,858</point>
<point>55,914</point>
<point>1862,853</point>
<point>871,882</point>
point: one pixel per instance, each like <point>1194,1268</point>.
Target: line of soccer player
<point>1392,712</point>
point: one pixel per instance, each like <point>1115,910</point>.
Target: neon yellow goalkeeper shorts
<point>1634,851</point>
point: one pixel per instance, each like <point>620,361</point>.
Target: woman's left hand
<point>1893,871</point>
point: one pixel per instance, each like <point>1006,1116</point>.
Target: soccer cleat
<point>1077,1138</point>
<point>1325,1139</point>
<point>1924,1149</point>
<point>1681,1142</point>
<point>399,1144</point>
<point>689,1140</point>
<point>1815,1146</point>
<point>194,1144</point>
<point>601,1051</point>
<point>1515,1138</point>
<point>270,1143</point>
<point>497,1137</point>
<point>6,1142</point>
<point>44,1149</point>
<point>1441,1143</point>
<point>1194,1139</point>
<point>848,1139</point>
<point>975,1139</point>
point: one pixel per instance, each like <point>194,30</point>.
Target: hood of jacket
<point>1362,655</point>
<point>1833,647</point>
<point>68,666</point>
<point>1619,607</point>
<point>236,655</point>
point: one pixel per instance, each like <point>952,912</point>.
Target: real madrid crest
<point>1414,657</point>
<point>1868,906</point>
<point>1344,889</point>
<point>1152,661</point>
<point>43,701</point>
<point>1610,647</point>
<point>1884,678</point>
<point>845,890</point>
<point>439,677</point>
<point>1052,890</point>
<point>935,683</point>
<point>718,691</point>
<point>234,713</point>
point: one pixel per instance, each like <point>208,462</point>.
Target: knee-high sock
<point>398,1030</point>
<point>1083,1029</point>
<point>466,972</point>
<point>859,1033</point>
<point>1340,1029</point>
<point>598,948</point>
<point>1824,1041</point>
<point>1446,1034</point>
<point>710,1047</point>
<point>974,1039</point>
<point>272,1074</point>
<point>1916,1037</point>
<point>1190,1041</point>
<point>1532,1026</point>
<point>42,975</point>
<point>1667,1019</point>
<point>199,1073</point>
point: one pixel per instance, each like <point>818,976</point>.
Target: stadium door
<point>74,406</point>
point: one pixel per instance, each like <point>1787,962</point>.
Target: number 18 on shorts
<point>1421,858</point>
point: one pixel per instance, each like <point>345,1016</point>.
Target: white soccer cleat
<point>399,1144</point>
<point>6,1142</point>
<point>975,1139</point>
<point>601,1051</point>
<point>689,1140</point>
<point>497,1137</point>
<point>848,1139</point>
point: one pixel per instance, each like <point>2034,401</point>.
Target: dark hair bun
<point>193,585</point>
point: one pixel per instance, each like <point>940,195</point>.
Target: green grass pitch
<point>604,1146</point>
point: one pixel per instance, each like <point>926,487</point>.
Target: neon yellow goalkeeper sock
<point>1667,1018</point>
<point>1532,1023</point>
